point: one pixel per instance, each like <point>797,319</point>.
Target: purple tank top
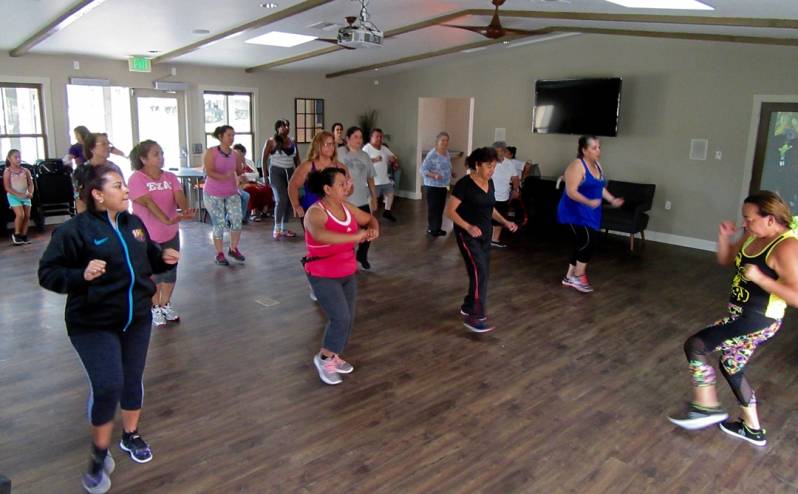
<point>222,164</point>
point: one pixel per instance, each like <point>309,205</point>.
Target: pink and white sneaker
<point>580,283</point>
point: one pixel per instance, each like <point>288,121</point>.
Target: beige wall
<point>344,98</point>
<point>672,91</point>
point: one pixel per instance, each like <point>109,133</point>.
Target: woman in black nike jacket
<point>103,260</point>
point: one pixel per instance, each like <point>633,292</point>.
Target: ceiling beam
<point>575,29</point>
<point>64,19</point>
<point>388,34</point>
<point>257,23</point>
<point>423,56</point>
<point>576,16</point>
<point>692,20</point>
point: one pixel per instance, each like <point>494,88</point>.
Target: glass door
<point>776,155</point>
<point>160,116</point>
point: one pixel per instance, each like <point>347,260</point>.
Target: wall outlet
<point>718,155</point>
<point>76,65</point>
<point>668,205</point>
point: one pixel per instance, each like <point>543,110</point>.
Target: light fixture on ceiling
<point>153,51</point>
<point>277,38</point>
<point>201,31</point>
<point>78,14</point>
<point>663,4</point>
<point>269,5</point>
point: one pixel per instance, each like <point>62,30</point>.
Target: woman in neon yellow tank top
<point>765,282</point>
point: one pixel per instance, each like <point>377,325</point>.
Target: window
<point>309,118</point>
<point>22,121</point>
<point>233,109</point>
<point>103,109</point>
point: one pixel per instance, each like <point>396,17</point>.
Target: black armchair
<point>630,218</point>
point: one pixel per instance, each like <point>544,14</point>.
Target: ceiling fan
<point>494,30</point>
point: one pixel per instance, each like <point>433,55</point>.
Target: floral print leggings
<point>223,209</point>
<point>736,337</point>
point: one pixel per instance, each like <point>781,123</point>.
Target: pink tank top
<point>332,261</point>
<point>222,164</point>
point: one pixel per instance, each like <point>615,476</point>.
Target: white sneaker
<point>169,313</point>
<point>158,318</point>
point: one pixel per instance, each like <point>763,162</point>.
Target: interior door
<point>776,154</point>
<point>161,117</point>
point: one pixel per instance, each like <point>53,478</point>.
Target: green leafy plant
<point>367,121</point>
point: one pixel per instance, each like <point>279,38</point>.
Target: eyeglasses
<point>328,143</point>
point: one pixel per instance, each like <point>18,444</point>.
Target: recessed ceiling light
<point>663,4</point>
<point>201,31</point>
<point>153,51</point>
<point>269,5</point>
<point>276,38</point>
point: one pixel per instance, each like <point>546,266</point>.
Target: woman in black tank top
<point>765,282</point>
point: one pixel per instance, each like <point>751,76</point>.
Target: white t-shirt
<point>380,167</point>
<point>519,166</point>
<point>502,178</point>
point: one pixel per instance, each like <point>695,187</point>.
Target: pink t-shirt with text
<point>162,191</point>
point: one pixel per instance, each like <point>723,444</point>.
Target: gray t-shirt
<point>360,169</point>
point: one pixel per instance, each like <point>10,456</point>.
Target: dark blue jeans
<point>114,362</point>
<point>337,298</point>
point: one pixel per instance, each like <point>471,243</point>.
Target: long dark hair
<point>278,139</point>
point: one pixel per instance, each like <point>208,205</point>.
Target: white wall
<point>672,91</point>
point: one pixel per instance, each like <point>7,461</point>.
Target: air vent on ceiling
<point>325,26</point>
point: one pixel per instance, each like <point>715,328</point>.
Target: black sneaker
<point>499,245</point>
<point>221,260</point>
<point>465,313</point>
<point>739,429</point>
<point>698,417</point>
<point>16,239</point>
<point>25,239</point>
<point>137,447</point>
<point>440,233</point>
<point>236,254</point>
<point>389,216</point>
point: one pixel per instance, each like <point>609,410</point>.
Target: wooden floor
<point>569,394</point>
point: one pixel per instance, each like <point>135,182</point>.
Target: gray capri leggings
<point>222,209</point>
<point>278,179</point>
<point>171,275</point>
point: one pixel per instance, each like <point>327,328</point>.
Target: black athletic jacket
<point>120,296</point>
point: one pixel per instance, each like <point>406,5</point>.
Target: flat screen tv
<point>577,106</point>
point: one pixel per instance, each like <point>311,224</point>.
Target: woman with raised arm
<point>765,282</point>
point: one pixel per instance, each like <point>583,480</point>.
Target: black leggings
<point>436,203</point>
<point>363,247</point>
<point>736,337</point>
<point>476,254</point>
<point>584,241</point>
<point>114,362</point>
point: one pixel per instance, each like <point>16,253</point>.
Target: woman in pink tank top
<point>223,165</point>
<point>332,228</point>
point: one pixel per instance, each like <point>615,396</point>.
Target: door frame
<point>182,116</point>
<point>748,169</point>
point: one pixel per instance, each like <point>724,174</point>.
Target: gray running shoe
<point>328,371</point>
<point>698,417</point>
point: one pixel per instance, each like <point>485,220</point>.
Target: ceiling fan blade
<point>474,29</point>
<point>527,32</point>
<point>334,42</point>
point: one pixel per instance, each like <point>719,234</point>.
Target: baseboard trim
<point>408,195</point>
<point>681,241</point>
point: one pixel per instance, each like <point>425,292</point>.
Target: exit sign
<point>139,64</point>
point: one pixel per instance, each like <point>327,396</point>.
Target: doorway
<point>157,115</point>
<point>452,115</point>
<point>776,154</point>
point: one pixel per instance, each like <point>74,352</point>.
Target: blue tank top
<point>570,212</point>
<point>309,198</point>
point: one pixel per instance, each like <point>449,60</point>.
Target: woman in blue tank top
<point>580,209</point>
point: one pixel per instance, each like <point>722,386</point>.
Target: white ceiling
<point>120,28</point>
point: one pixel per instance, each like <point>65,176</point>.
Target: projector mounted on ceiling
<point>360,32</point>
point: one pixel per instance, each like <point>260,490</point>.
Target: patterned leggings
<point>735,337</point>
<point>222,209</point>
